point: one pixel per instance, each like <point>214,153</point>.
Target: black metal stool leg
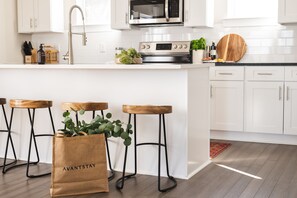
<point>112,172</point>
<point>9,139</point>
<point>120,181</point>
<point>52,120</point>
<point>162,118</point>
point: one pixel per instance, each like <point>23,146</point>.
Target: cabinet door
<point>290,120</point>
<point>264,107</point>
<point>42,17</point>
<point>25,16</point>
<point>226,105</point>
<point>287,11</point>
<point>198,13</point>
<point>120,14</point>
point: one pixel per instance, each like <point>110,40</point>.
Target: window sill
<point>247,22</point>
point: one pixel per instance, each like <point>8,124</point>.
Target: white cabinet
<point>287,11</point>
<point>198,13</point>
<point>120,14</point>
<point>40,16</point>
<point>290,121</point>
<point>264,107</point>
<point>226,105</point>
<point>226,98</point>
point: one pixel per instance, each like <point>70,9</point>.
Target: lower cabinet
<point>290,119</point>
<point>264,107</point>
<point>226,105</point>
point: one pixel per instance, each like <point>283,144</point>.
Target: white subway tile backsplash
<point>264,44</point>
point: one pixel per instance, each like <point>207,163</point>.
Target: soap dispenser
<point>41,55</point>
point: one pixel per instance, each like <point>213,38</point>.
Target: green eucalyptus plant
<point>198,44</point>
<point>98,125</point>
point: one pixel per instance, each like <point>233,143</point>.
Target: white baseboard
<point>254,137</point>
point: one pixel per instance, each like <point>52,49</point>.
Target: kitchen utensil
<point>231,47</point>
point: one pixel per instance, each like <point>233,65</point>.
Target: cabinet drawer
<point>261,73</point>
<point>291,73</point>
<point>226,73</point>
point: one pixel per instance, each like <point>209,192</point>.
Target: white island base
<point>185,87</point>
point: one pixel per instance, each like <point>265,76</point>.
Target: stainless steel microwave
<point>145,12</point>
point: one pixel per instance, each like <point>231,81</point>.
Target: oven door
<point>155,11</point>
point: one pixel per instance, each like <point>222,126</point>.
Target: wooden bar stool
<point>153,110</point>
<point>9,139</point>
<point>30,105</point>
<point>90,106</point>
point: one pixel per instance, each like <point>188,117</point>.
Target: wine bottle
<point>41,55</point>
<point>213,52</point>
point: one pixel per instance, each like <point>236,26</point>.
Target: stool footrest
<point>170,187</point>
<point>112,175</point>
<point>17,165</point>
<point>3,130</point>
<point>119,182</point>
<point>13,162</point>
<point>150,143</point>
<point>43,135</point>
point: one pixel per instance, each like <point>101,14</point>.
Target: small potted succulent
<point>197,47</point>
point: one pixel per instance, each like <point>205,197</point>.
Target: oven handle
<point>167,10</point>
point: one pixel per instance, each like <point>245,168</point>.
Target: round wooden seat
<point>2,101</point>
<point>87,106</point>
<point>30,104</point>
<point>146,109</point>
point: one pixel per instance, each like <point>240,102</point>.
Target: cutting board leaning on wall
<point>231,47</point>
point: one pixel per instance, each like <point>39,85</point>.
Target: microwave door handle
<point>167,10</point>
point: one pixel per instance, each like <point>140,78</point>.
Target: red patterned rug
<point>216,148</point>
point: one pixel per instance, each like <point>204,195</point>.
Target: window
<point>252,8</point>
<point>97,12</point>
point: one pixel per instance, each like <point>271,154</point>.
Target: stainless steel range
<point>165,52</point>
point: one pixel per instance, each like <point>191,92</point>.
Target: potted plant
<point>129,56</point>
<point>79,156</point>
<point>197,47</point>
<point>98,125</point>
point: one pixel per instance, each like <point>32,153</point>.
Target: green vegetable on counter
<point>127,56</point>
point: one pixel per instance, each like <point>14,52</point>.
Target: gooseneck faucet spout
<point>69,55</point>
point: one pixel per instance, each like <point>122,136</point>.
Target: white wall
<point>274,43</point>
<point>11,41</point>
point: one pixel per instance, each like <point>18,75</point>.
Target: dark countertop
<point>255,64</point>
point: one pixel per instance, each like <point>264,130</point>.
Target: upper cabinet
<point>198,13</point>
<point>40,16</point>
<point>120,14</point>
<point>287,11</point>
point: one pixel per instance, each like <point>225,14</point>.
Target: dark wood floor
<point>243,170</point>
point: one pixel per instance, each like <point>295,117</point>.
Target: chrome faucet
<point>69,54</point>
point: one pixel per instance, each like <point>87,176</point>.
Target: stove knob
<point>180,46</point>
<point>142,46</point>
<point>185,46</point>
<point>174,46</point>
<point>148,46</point>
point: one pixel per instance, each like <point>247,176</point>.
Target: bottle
<point>213,52</point>
<point>41,55</point>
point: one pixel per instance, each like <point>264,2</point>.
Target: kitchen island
<point>185,87</point>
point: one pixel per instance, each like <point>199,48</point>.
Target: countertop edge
<point>108,66</point>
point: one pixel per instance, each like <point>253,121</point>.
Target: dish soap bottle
<point>213,52</point>
<point>41,55</point>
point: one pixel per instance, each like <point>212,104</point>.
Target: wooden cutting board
<point>231,47</point>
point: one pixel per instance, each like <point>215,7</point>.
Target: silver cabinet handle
<point>31,22</point>
<point>210,91</point>
<point>280,93</point>
<point>166,10</point>
<point>126,18</point>
<point>227,74</point>
<point>288,89</point>
<point>265,74</point>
